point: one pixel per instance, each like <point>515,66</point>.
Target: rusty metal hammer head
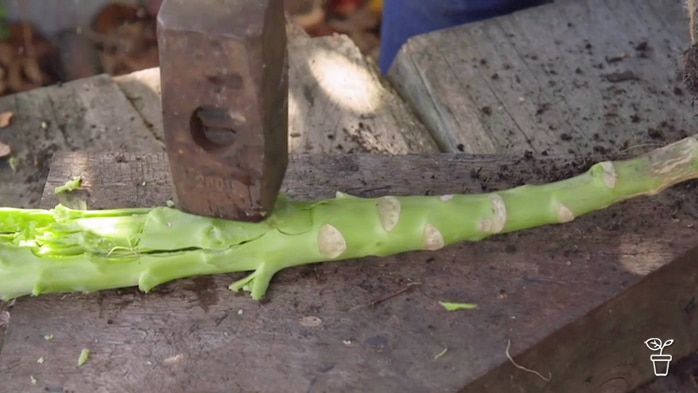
<point>224,81</point>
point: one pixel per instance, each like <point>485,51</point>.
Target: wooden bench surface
<point>375,325</point>
<point>579,77</point>
<point>499,86</point>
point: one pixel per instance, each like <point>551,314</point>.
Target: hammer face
<point>224,81</point>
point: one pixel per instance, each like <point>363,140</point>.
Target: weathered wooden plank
<point>665,301</point>
<point>89,115</point>
<point>320,330</point>
<point>142,88</point>
<point>338,102</point>
<point>567,77</point>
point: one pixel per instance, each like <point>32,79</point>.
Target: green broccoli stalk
<point>65,250</point>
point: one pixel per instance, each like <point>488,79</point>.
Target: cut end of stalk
<point>330,242</point>
<point>675,162</point>
<point>564,214</point>
<point>446,198</point>
<point>609,174</point>
<point>496,223</point>
<point>388,212</point>
<point>499,213</point>
<point>433,239</point>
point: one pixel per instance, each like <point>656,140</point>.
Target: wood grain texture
<point>89,115</point>
<point>142,88</point>
<point>338,102</point>
<point>611,337</point>
<point>324,328</point>
<point>569,77</point>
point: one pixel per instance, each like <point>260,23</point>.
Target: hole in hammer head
<point>212,128</point>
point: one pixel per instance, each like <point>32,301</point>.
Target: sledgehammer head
<point>224,81</point>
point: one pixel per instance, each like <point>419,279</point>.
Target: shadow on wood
<point>338,103</point>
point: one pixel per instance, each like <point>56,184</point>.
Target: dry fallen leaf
<point>4,150</point>
<point>5,118</point>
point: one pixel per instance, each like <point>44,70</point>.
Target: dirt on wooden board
<point>617,101</point>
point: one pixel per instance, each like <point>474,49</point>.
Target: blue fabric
<point>403,19</point>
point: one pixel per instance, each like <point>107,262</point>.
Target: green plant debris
<point>70,185</point>
<point>40,360</point>
<point>33,380</point>
<point>441,354</point>
<point>48,337</point>
<point>450,306</point>
<point>12,161</point>
<point>67,250</point>
<point>84,356</point>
